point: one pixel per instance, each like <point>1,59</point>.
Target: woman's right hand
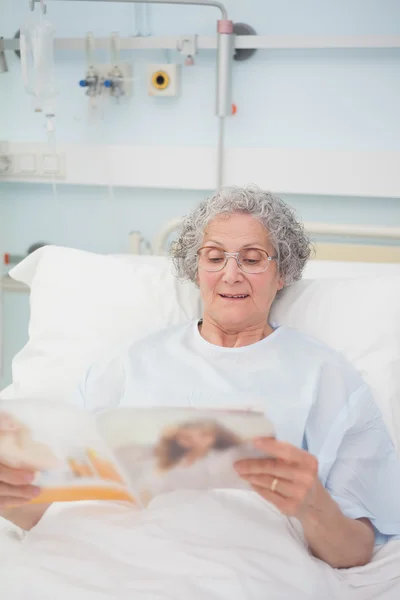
<point>16,486</point>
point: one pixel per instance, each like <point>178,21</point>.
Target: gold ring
<point>274,485</point>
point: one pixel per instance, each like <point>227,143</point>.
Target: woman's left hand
<point>288,479</point>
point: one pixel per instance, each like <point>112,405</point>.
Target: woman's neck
<point>229,337</point>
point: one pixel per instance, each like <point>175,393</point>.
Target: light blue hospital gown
<point>315,399</point>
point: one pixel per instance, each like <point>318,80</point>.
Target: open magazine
<point>127,454</point>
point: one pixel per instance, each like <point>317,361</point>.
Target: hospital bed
<point>80,305</point>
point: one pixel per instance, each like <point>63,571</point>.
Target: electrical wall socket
<point>51,165</point>
<point>25,164</point>
<point>36,166</point>
<point>163,79</point>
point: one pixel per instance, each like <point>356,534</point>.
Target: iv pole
<point>225,51</point>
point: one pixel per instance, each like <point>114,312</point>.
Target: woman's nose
<point>231,271</point>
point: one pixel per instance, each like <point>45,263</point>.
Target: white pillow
<point>360,318</point>
<point>83,304</point>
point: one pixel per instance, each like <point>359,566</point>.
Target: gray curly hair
<point>286,234</point>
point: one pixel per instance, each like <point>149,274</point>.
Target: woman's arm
<point>289,480</point>
<point>334,538</point>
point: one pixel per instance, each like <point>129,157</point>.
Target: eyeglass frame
<point>235,255</point>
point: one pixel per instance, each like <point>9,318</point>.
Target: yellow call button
<point>160,80</point>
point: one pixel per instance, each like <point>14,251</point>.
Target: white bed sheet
<point>200,545</point>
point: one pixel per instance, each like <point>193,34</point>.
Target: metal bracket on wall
<point>187,46</point>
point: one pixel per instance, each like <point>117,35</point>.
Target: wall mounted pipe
<point>213,3</point>
<point>225,53</point>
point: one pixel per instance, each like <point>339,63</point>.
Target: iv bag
<point>37,63</point>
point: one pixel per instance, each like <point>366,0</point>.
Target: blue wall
<point>305,99</point>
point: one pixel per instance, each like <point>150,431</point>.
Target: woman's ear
<point>280,282</point>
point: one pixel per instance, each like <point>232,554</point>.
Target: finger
<point>298,490</point>
<point>16,476</point>
<point>262,466</point>
<point>276,469</point>
<point>286,506</point>
<point>13,501</point>
<point>283,488</point>
<point>19,491</point>
<point>287,452</point>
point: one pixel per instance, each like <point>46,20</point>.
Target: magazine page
<point>163,449</point>
<point>63,445</point>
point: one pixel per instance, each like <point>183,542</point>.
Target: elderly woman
<point>333,465</point>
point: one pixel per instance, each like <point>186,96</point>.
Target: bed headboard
<point>385,250</point>
<point>367,253</point>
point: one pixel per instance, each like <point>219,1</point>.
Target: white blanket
<point>221,545</point>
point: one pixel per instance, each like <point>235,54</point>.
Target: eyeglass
<point>249,260</point>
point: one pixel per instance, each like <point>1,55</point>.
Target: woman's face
<point>233,233</point>
<point>195,438</point>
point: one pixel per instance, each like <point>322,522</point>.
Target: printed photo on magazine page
<point>127,454</point>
